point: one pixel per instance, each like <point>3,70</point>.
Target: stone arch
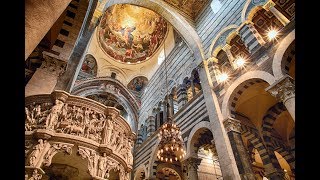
<point>186,31</point>
<point>202,124</point>
<point>99,86</point>
<point>287,156</point>
<point>262,75</point>
<point>228,28</point>
<point>170,166</point>
<point>267,128</point>
<point>250,8</point>
<point>252,135</point>
<point>216,51</point>
<point>152,159</point>
<point>278,56</point>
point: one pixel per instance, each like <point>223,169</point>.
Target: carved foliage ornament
<point>283,90</point>
<point>55,148</point>
<point>232,125</point>
<point>98,165</point>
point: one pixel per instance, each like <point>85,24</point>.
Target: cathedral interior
<point>159,89</point>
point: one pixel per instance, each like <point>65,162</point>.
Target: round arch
<point>100,85</point>
<point>230,27</point>
<point>249,6</point>
<point>277,59</point>
<point>176,20</point>
<point>247,76</point>
<point>202,124</point>
<point>153,156</point>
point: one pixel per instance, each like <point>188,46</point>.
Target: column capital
<point>213,59</point>
<point>269,4</point>
<point>283,89</point>
<point>192,162</point>
<point>226,47</point>
<point>232,124</point>
<point>53,65</point>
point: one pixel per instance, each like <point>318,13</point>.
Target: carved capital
<point>192,163</point>
<point>283,89</point>
<point>38,152</point>
<point>269,4</point>
<point>92,157</point>
<point>232,124</point>
<point>53,65</point>
<point>213,59</point>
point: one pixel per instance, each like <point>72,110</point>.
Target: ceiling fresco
<point>191,7</point>
<point>131,34</point>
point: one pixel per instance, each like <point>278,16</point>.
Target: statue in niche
<point>52,118</point>
<point>107,129</point>
<point>36,153</point>
<point>102,165</point>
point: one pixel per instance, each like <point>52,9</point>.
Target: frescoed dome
<point>131,34</point>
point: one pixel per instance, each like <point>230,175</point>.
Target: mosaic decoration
<point>131,34</point>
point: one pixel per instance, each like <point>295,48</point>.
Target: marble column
<point>182,96</point>
<point>233,128</point>
<point>165,109</point>
<point>284,90</point>
<point>151,125</point>
<point>224,150</point>
<point>158,118</point>
<point>251,37</point>
<point>170,108</point>
<point>192,164</point>
<point>192,85</point>
<point>270,6</point>
<point>39,18</point>
<point>45,78</point>
<point>231,58</point>
<point>139,137</point>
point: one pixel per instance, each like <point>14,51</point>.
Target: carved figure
<point>35,153</point>
<point>52,118</point>
<point>107,130</point>
<point>102,165</point>
<point>72,128</point>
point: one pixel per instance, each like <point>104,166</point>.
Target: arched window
<point>215,5</point>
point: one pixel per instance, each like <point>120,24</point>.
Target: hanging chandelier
<point>171,146</point>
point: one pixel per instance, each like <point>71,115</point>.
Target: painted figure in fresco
<point>127,35</point>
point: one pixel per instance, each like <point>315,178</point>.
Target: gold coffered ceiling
<point>191,7</point>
